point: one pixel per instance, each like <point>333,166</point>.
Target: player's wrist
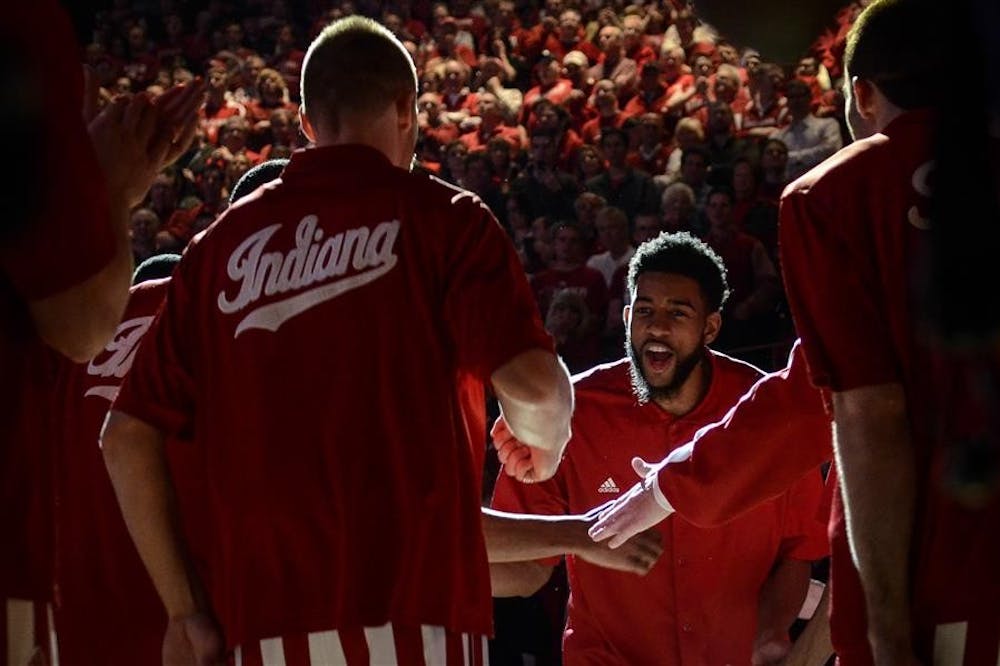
<point>652,483</point>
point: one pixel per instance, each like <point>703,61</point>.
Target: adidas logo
<point>609,486</point>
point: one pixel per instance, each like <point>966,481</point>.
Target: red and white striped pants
<point>26,633</point>
<point>375,646</point>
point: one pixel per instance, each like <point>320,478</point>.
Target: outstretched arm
<point>778,432</point>
<point>514,541</point>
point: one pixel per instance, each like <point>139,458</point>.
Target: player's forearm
<point>536,398</point>
<point>877,475</point>
<point>515,537</point>
<point>137,465</point>
<point>78,322</point>
<point>518,579</point>
<point>813,646</point>
<point>782,595</point>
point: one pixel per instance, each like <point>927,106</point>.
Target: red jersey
<point>68,239</point>
<point>107,611</point>
<point>340,332</point>
<point>698,605</point>
<point>851,250</point>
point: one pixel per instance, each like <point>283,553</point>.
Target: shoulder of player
<point>852,163</point>
<point>145,298</point>
<point>603,380</point>
<point>733,371</point>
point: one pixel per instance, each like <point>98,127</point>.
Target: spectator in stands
<point>652,95</point>
<point>459,102</point>
<point>141,63</point>
<point>767,111</point>
<point>493,75</point>
<point>219,105</point>
<point>753,278</point>
<point>653,151</point>
<point>686,29</point>
<point>479,179</point>
<point>724,146</point>
<point>551,86</point>
<point>688,132</point>
<point>491,126</point>
<point>612,234</point>
<point>647,227</point>
<point>590,163</point>
<point>750,61</point>
<point>453,164</point>
<point>728,87</point>
<point>233,137</point>
<point>753,213</point>
<point>604,103</point>
<point>614,64</point>
<point>568,35</point>
<point>809,139</point>
<point>546,189</point>
<point>273,94</point>
<point>282,135</point>
<point>247,87</point>
<point>434,127</point>
<point>576,69</point>
<point>674,72</point>
<point>502,158</point>
<point>622,186</point>
<point>814,74</point>
<point>678,209</point>
<point>695,165</point>
<point>773,165</point>
<point>569,322</point>
<point>568,271</point>
<point>549,117</point>
<point>142,229</point>
<point>688,100</point>
<point>634,40</point>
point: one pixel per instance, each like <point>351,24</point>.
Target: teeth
<point>657,347</point>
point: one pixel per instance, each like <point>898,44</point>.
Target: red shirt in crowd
<point>322,340</point>
<point>698,605</point>
<point>851,249</point>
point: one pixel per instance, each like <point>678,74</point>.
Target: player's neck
<point>691,392</point>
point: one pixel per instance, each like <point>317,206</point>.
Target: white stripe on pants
<point>325,648</point>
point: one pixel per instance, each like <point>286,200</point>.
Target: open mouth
<point>658,356</point>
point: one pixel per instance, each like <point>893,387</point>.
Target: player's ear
<point>406,112</point>
<point>713,324</point>
<point>626,314</point>
<point>306,124</point>
<point>864,97</point>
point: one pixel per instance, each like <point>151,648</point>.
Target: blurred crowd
<point>587,128</point>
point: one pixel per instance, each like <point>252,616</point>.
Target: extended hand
<point>527,464</point>
<point>637,555</point>
<point>635,511</point>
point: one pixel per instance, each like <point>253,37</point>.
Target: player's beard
<point>683,367</point>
